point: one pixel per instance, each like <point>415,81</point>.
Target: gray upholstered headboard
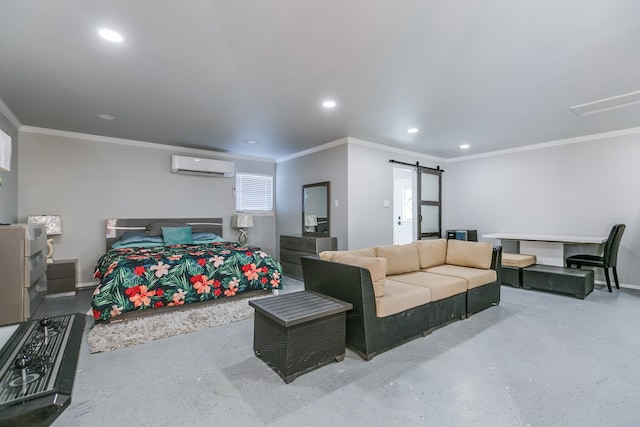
<point>115,227</point>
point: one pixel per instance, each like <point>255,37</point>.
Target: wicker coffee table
<point>295,333</point>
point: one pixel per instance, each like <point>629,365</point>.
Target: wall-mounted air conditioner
<point>200,166</point>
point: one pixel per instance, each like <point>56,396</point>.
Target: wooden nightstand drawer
<point>61,276</point>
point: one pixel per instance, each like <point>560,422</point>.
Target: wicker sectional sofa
<point>400,292</point>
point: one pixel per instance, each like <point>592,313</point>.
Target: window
<point>254,193</point>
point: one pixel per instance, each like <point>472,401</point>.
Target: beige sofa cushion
<point>517,260</point>
<point>331,255</point>
<point>376,266</point>
<point>474,276</point>
<point>469,254</point>
<point>431,252</point>
<point>400,258</point>
<point>441,286</point>
<point>399,297</point>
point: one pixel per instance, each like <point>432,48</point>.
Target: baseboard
<point>85,285</point>
<point>622,285</point>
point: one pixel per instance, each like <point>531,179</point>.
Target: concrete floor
<point>537,359</point>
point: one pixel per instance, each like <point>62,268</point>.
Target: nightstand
<point>61,276</point>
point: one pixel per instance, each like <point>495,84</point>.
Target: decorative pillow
<point>469,254</point>
<point>376,266</point>
<point>431,252</point>
<point>206,236</point>
<point>177,235</point>
<point>119,244</point>
<point>155,229</point>
<point>139,237</point>
<point>400,258</point>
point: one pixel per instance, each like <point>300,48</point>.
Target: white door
<point>403,206</point>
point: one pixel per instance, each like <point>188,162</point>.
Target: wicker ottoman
<point>295,333</point>
<point>512,265</point>
<point>573,281</point>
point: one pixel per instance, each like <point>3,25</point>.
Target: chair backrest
<point>610,255</point>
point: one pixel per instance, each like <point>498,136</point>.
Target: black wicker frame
<point>512,276</point>
<point>369,335</point>
<point>563,280</point>
<point>487,295</point>
<point>448,310</point>
<point>366,334</point>
<point>295,350</point>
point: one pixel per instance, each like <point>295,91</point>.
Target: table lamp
<point>242,222</point>
<point>310,221</point>
<point>53,226</point>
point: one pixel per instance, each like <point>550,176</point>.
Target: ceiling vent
<point>619,101</point>
<point>202,167</point>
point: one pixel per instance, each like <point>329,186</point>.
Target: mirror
<point>315,209</point>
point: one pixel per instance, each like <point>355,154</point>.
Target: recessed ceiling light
<point>252,141</point>
<point>329,104</point>
<point>110,35</point>
<point>412,130</point>
<point>106,117</point>
<point>464,146</point>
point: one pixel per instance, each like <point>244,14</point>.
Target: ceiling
<point>212,74</point>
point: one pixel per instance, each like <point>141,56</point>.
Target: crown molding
<point>316,149</point>
<point>134,143</point>
<point>549,144</point>
<point>5,111</point>
<point>361,142</point>
<point>394,150</point>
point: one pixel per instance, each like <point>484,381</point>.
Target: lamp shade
<point>242,220</point>
<point>52,223</point>
<point>310,220</point>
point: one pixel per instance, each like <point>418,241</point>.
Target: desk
<point>549,249</point>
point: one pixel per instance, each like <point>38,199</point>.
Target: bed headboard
<point>115,227</point>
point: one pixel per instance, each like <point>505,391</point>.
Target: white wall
<point>9,189</point>
<point>361,179</point>
<point>578,188</point>
<point>370,184</point>
<point>85,182</point>
<point>325,165</point>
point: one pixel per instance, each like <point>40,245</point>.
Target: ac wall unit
<point>200,166</point>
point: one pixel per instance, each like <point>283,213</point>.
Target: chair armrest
<point>496,261</point>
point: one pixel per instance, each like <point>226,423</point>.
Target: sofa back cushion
<point>376,266</point>
<point>331,255</point>
<point>432,252</point>
<point>469,254</point>
<point>400,258</point>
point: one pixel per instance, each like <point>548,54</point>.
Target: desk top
<point>563,238</point>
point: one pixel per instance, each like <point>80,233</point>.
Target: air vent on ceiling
<point>619,101</point>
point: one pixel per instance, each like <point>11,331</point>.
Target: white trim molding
<point>143,144</point>
<point>361,142</point>
<point>556,143</point>
<point>5,111</point>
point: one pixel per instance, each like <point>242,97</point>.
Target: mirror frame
<point>327,185</point>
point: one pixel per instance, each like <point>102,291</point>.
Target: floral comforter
<point>144,278</point>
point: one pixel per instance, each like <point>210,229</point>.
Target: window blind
<point>254,193</point>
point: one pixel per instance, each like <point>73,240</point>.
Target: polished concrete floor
<point>537,359</point>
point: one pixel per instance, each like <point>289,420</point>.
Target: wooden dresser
<point>293,247</point>
<point>23,267</point>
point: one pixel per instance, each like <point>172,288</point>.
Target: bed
<point>153,264</point>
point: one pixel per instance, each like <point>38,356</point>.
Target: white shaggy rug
<point>112,336</point>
